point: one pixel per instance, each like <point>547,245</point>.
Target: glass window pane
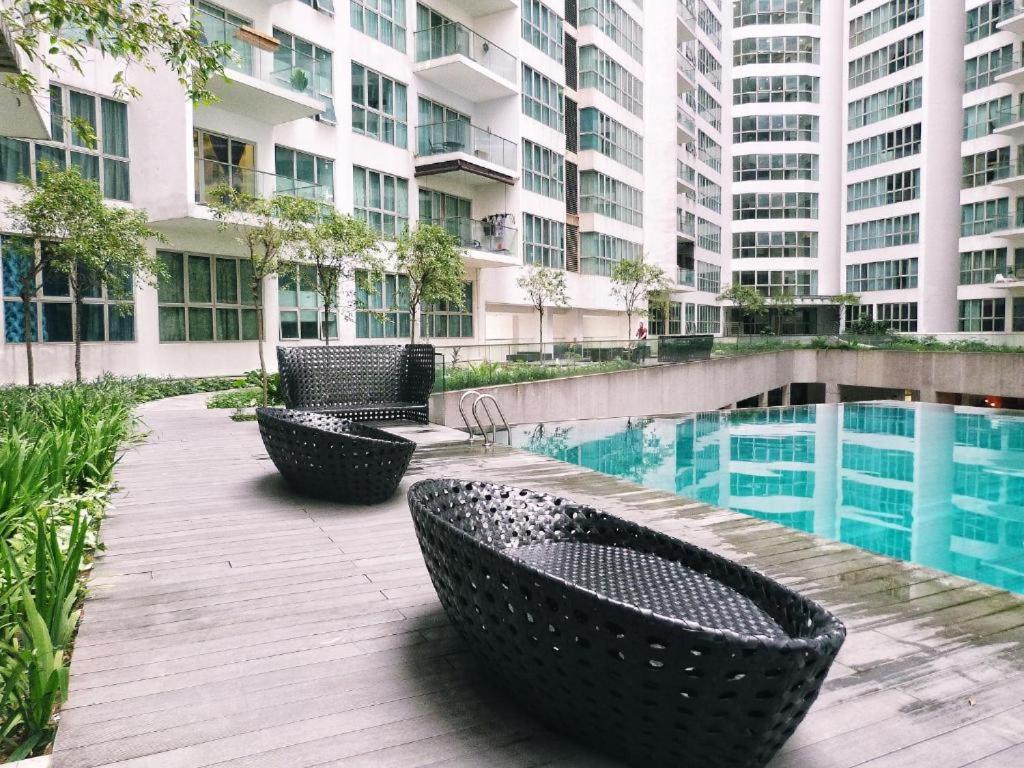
<point>89,165</point>
<point>250,327</point>
<point>115,128</point>
<point>14,319</point>
<point>290,325</point>
<point>199,280</point>
<point>200,324</point>
<point>57,321</point>
<point>307,286</point>
<point>14,159</point>
<point>172,323</point>
<point>17,257</point>
<point>55,283</point>
<point>83,109</point>
<point>115,180</point>
<point>227,325</point>
<point>46,154</point>
<point>227,281</point>
<point>308,324</point>
<point>171,286</point>
<point>92,322</point>
<point>245,282</point>
<point>121,318</point>
<point>287,289</point>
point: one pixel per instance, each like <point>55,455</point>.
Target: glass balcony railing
<point>266,58</point>
<point>490,235</point>
<point>686,10</point>
<point>459,136</point>
<point>686,122</point>
<point>211,174</point>
<point>686,66</point>
<point>686,276</point>
<point>452,39</point>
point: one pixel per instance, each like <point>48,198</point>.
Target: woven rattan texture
<point>669,589</point>
<point>331,458</point>
<point>362,383</point>
<point>649,689</point>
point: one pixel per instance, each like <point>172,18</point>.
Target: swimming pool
<point>937,485</point>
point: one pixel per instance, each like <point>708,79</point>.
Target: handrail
<point>485,398</point>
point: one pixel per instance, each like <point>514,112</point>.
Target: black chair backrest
<point>320,376</point>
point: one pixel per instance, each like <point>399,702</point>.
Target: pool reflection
<point>932,484</point>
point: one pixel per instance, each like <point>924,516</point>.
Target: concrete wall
<point>713,384</point>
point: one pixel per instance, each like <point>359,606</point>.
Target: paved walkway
<point>231,623</point>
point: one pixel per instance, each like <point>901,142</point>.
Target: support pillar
<point>762,400</point>
<point>787,394</point>
<point>832,396</point>
<point>928,396</point>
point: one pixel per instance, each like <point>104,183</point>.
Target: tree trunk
<point>629,328</point>
<point>327,326</point>
<point>77,332</point>
<point>412,322</point>
<point>26,329</point>
<point>259,340</point>
<point>540,333</point>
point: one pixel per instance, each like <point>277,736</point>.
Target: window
<point>982,119</point>
<point>449,321</point>
<point>543,99</point>
<point>709,25</point>
<point>775,205</point>
<point>384,312</point>
<point>543,242</point>
<point>899,317</point>
<point>297,60</point>
<point>543,170</point>
<point>542,28</point>
<point>886,17</point>
<point>884,190</point>
<point>775,245</point>
<point>799,282</point>
<point>379,107</point>
<point>611,138</point>
<point>897,100</point>
<point>882,233</point>
<point>105,161</point>
<point>792,49</point>
<point>774,167</point>
<point>709,151</point>
<point>610,18</point>
<point>892,58</point>
<point>708,65</point>
<point>449,211</point>
<point>984,217</point>
<point>601,252</point>
<point>881,275</point>
<point>381,200</point>
<point>774,128</point>
<point>709,277</point>
<point>984,315</point>
<point>706,319</point>
<point>983,69</point>
<point>746,12</point>
<point>985,167</point>
<point>980,267</point>
<point>108,311</point>
<point>599,70</point>
<point>206,298</point>
<point>223,160</point>
<point>775,88</point>
<point>302,307</point>
<point>440,129</point>
<point>709,109</point>
<point>301,174</point>
<point>1018,314</point>
<point>709,194</point>
<point>383,20</point>
<point>982,21</point>
<point>600,193</point>
<point>892,145</point>
<point>657,325</point>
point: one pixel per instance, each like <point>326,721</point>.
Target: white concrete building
<point>562,132</point>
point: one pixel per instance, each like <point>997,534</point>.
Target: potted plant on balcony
<point>300,79</point>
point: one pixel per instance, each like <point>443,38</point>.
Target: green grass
<point>491,374</point>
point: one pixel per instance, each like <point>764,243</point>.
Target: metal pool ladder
<point>484,399</point>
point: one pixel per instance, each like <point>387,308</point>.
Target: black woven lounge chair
<point>331,458</point>
<point>362,383</point>
<point>660,652</point>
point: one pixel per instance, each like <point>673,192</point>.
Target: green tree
<point>634,282</point>
<point>80,236</point>
<point>269,230</point>
<point>57,33</point>
<point>344,250</point>
<point>433,261</point>
<point>544,286</point>
<point>750,302</point>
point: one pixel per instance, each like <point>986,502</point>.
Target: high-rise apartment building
<point>803,147</point>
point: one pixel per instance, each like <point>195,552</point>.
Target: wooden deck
<point>231,623</point>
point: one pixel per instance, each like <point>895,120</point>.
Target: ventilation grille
<point>572,188</point>
<point>572,120</point>
<point>572,68</point>
<point>572,248</point>
<point>571,14</point>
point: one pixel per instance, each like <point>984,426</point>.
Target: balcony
<point>686,177</point>
<point>687,129</point>
<point>686,69</point>
<point>1012,279</point>
<point>469,154</point>
<point>1014,75</point>
<point>21,115</point>
<point>686,276</point>
<point>686,20</point>
<point>265,78</point>
<point>1014,20</point>
<point>484,7</point>
<point>1009,175</point>
<point>488,243</point>
<point>460,60</point>
<point>1008,122</point>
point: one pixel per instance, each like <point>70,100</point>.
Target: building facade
<point>798,146</point>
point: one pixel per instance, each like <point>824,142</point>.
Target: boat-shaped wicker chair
<point>331,458</point>
<point>363,383</point>
<point>658,651</point>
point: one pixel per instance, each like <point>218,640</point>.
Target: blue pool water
<point>938,485</point>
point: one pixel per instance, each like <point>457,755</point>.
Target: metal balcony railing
<point>266,59</point>
<point>489,235</point>
<point>452,39</point>
<point>459,136</point>
<point>211,174</point>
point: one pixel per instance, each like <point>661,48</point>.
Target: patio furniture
<point>331,458</point>
<point>362,383</point>
<point>658,651</point>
